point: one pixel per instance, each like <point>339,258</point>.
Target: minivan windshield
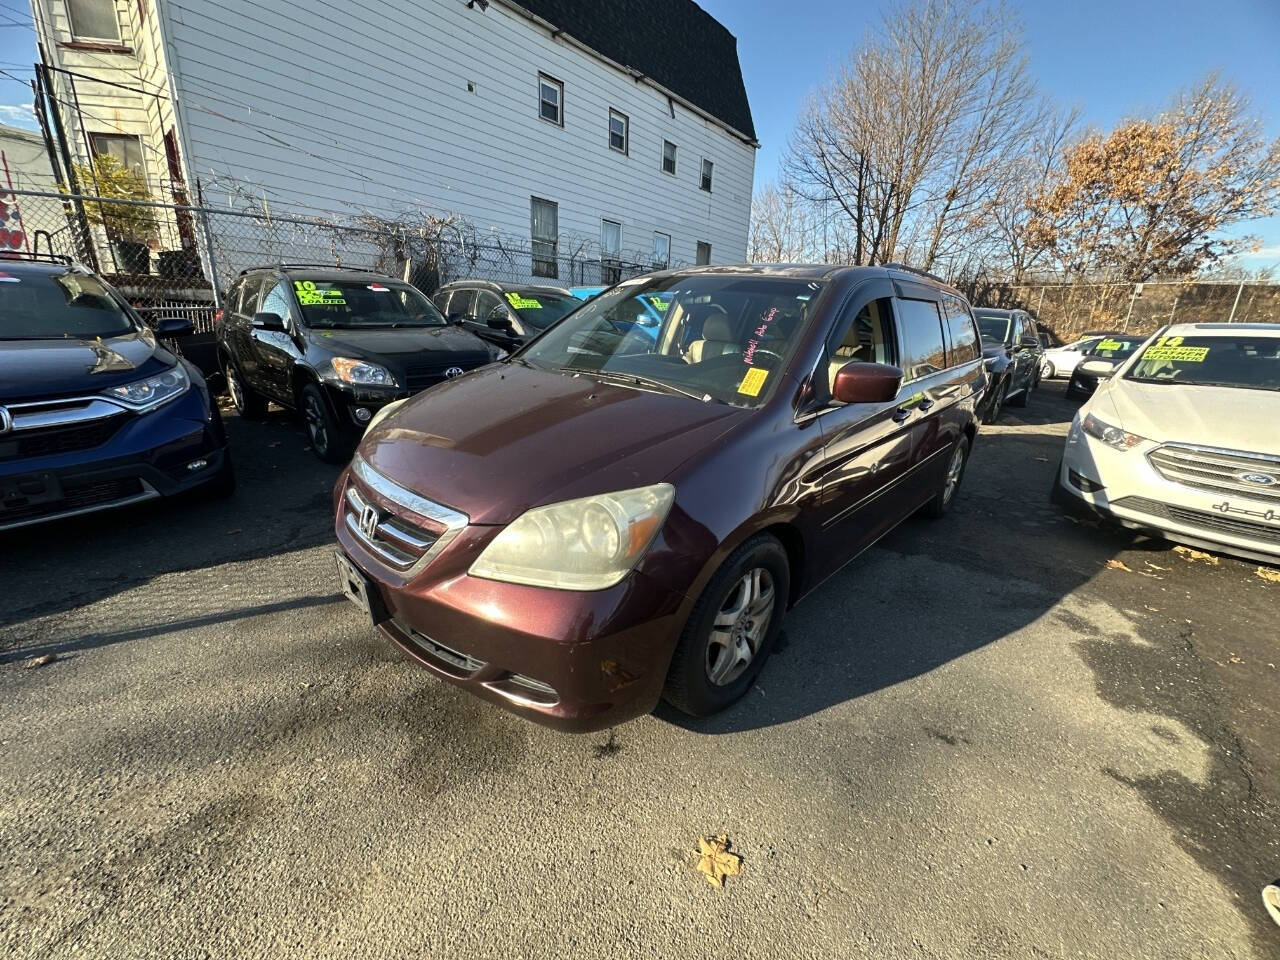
<point>1249,363</point>
<point>351,304</point>
<point>723,336</point>
<point>53,306</point>
<point>994,327</point>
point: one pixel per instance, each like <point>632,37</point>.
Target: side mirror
<point>174,327</point>
<point>499,319</point>
<point>859,382</point>
<point>268,321</point>
<point>1098,368</point>
<point>1030,343</point>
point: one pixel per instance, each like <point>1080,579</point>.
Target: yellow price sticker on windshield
<point>1110,345</point>
<point>753,382</point>
<point>1176,354</point>
<point>309,295</point>
<point>523,303</point>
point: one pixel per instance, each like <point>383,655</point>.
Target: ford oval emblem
<point>1259,479</point>
<point>454,372</point>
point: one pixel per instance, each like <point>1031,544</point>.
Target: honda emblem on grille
<point>1258,479</point>
<point>6,420</point>
<point>368,522</point>
<point>454,372</point>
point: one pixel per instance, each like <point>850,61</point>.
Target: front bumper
<point>1134,494</point>
<point>146,456</point>
<point>575,661</point>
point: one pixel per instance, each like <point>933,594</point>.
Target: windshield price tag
<point>1177,354</point>
<point>523,303</point>
<point>309,295</point>
<point>1110,345</point>
<point>753,382</point>
<point>658,304</point>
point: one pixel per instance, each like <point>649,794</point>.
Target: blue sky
<point>1112,58</point>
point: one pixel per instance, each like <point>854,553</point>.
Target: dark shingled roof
<point>674,42</point>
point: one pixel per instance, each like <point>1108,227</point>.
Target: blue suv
<point>94,412</point>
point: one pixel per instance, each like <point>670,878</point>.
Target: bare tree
<point>783,226</point>
<point>911,138</point>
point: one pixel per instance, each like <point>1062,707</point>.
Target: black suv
<point>1014,354</point>
<point>335,345</point>
<point>507,315</point>
<point>94,411</point>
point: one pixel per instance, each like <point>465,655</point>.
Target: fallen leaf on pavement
<point>715,861</point>
<point>1271,576</point>
<point>1118,565</point>
<point>1192,556</point>
<point>1234,659</point>
<point>44,661</point>
<point>1156,566</point>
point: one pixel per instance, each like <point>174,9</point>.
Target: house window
<point>94,20</point>
<point>707,169</point>
<point>124,148</point>
<point>661,251</point>
<point>545,218</point>
<point>550,99</point>
<point>668,157</point>
<point>619,131</point>
<point>610,251</point>
<point>704,254</point>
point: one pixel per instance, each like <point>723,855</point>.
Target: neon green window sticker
<point>309,295</point>
<point>523,303</point>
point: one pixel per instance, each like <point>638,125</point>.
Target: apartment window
<point>550,99</point>
<point>94,20</point>
<point>707,169</point>
<point>123,147</point>
<point>545,218</point>
<point>661,251</point>
<point>610,251</point>
<point>668,157</point>
<point>704,254</point>
<point>619,131</point>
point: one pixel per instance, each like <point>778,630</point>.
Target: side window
<point>460,303</point>
<point>485,302</point>
<point>441,299</point>
<point>868,338</point>
<point>252,292</point>
<point>231,299</point>
<point>923,347</point>
<point>964,334</point>
<point>277,301</point>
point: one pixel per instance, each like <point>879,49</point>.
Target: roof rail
<point>284,265</point>
<point>916,270</point>
<point>36,257</point>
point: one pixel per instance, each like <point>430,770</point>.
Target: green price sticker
<point>523,303</point>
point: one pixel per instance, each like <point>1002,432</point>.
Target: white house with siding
<point>621,123</point>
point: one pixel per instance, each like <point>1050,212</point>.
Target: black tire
<point>997,402</point>
<point>690,687</point>
<point>942,501</point>
<point>1049,371</point>
<point>250,404</point>
<point>327,440</point>
<point>1022,398</point>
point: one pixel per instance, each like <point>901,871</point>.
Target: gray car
<point>1013,351</point>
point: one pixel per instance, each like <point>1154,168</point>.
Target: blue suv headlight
<point>145,395</point>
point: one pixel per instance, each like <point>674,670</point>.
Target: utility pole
<point>1239,290</point>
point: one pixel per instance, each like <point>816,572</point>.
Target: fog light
<point>1083,484</point>
<point>195,465</point>
<point>363,414</point>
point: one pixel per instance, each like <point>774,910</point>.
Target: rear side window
<point>924,349</point>
<point>485,303</point>
<point>964,333</point>
<point>250,294</point>
<point>441,299</point>
<point>460,303</point>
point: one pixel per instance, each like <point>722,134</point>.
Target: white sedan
<point>1183,440</point>
<point>1061,361</point>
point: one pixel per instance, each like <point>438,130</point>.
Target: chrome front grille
<point>1219,471</point>
<point>399,538</point>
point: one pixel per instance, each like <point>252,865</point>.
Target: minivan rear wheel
<point>946,495</point>
<point>731,630</point>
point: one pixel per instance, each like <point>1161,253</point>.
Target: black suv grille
<point>54,440</point>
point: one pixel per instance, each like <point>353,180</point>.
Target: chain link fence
<point>176,260</point>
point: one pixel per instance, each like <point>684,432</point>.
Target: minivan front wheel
<point>732,629</point>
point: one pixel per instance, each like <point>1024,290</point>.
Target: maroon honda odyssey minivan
<point>619,512</point>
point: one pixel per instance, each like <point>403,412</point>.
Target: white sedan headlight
<point>361,372</point>
<point>586,544</point>
<point>1111,436</point>
<point>144,395</point>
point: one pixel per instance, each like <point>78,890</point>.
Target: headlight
<point>361,372</point>
<point>386,411</point>
<point>586,544</point>
<point>1111,436</point>
<point>143,395</point>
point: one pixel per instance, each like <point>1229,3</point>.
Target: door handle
<point>925,405</point>
<point>901,414</point>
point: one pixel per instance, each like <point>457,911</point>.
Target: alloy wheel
<point>234,388</point>
<point>954,469</point>
<point>317,428</point>
<point>740,626</point>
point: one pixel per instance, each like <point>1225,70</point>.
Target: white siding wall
<point>346,106</point>
<point>25,160</point>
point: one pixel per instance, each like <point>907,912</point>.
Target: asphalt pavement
<point>1001,734</point>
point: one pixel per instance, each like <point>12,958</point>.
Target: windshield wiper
<point>640,381</point>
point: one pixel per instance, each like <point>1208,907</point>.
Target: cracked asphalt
<point>979,740</point>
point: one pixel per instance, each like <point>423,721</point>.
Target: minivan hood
<point>1223,417</point>
<point>509,437</point>
<point>423,343</point>
<point>40,369</point>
